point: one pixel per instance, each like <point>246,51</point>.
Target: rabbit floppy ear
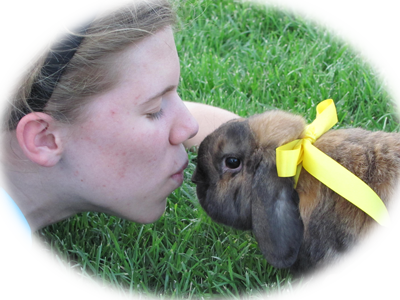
<point>277,224</point>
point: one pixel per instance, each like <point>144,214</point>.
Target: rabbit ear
<point>277,224</point>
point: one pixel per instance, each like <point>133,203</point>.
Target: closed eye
<point>156,115</point>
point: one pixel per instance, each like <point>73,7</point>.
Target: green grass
<point>247,59</point>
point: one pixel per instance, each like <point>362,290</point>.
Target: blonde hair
<point>90,71</point>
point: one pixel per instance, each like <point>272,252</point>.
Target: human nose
<point>185,126</point>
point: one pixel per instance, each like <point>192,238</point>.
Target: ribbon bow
<point>291,157</point>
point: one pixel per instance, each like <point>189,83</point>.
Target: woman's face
<point>127,156</point>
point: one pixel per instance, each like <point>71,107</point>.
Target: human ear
<point>40,139</point>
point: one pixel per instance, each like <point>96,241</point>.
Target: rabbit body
<point>302,228</point>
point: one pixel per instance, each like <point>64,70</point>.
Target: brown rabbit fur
<point>302,228</point>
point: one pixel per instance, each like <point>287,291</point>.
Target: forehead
<point>147,68</point>
<point>231,138</point>
<point>155,49</point>
<point>140,71</point>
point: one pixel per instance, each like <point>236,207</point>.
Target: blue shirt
<point>15,233</point>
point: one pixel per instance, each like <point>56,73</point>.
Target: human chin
<point>155,213</point>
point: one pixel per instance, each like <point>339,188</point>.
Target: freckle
<point>121,173</point>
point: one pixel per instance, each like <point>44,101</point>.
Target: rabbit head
<point>237,182</point>
<point>302,228</point>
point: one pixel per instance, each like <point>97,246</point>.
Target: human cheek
<point>163,159</point>
<point>97,152</point>
<point>154,147</point>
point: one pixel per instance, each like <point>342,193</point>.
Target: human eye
<point>157,115</point>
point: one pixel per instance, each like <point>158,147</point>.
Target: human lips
<point>178,176</point>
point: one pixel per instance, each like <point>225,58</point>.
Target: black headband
<point>53,68</point>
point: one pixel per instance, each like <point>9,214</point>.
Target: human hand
<point>352,279</point>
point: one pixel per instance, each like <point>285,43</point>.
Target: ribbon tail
<point>344,183</point>
<point>296,177</point>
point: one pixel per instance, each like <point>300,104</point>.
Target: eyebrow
<point>166,90</point>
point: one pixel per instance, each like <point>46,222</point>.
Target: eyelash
<point>157,115</point>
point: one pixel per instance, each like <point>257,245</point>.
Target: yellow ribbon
<point>291,157</point>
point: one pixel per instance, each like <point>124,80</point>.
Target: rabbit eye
<point>232,162</point>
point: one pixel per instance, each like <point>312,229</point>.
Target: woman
<point>97,124</point>
<point>107,133</point>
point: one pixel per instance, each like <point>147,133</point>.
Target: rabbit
<point>304,228</point>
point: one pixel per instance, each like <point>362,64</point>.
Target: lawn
<point>245,58</point>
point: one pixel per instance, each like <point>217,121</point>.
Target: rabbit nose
<point>193,179</point>
<point>196,177</point>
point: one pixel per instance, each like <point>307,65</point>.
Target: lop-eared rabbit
<point>299,228</point>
